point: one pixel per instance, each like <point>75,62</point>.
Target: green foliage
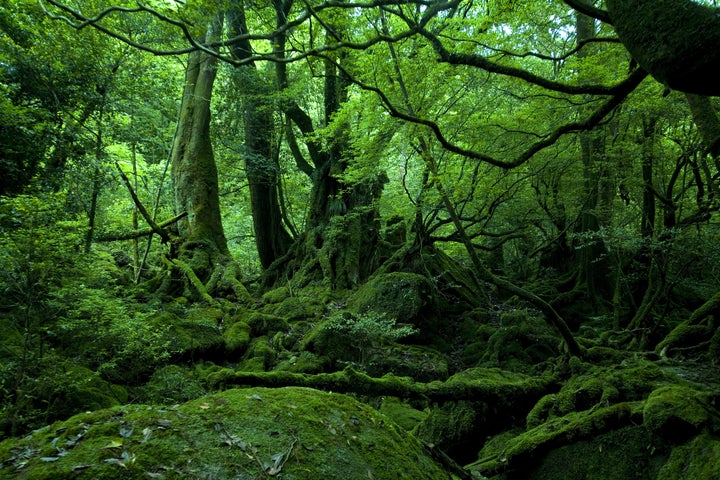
<point>367,330</point>
<point>60,303</point>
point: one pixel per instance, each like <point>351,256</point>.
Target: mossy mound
<point>187,336</point>
<point>289,433</point>
<point>402,296</point>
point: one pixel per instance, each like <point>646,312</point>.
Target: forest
<point>359,239</point>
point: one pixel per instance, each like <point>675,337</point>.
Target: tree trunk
<point>261,160</point>
<point>674,40</point>
<point>593,262</point>
<point>340,244</point>
<point>202,246</point>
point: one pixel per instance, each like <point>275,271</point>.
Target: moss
<point>450,425</point>
<point>402,296</point>
<point>264,324</point>
<point>699,459</point>
<point>172,384</point>
<point>677,412</point>
<point>186,337</point>
<point>628,453</point>
<point>260,348</point>
<point>520,450</point>
<point>237,337</point>
<point>211,315</point>
<point>297,308</point>
<point>521,342</point>
<point>276,295</point>
<point>296,433</point>
<point>305,362</point>
<point>402,413</point>
<point>631,381</point>
<point>421,363</point>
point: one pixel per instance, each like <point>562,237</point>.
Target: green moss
<point>237,337</point>
<point>211,315</point>
<point>628,453</point>
<point>261,349</point>
<point>699,459</point>
<point>293,433</point>
<point>633,380</point>
<point>276,295</point>
<point>172,384</point>
<point>539,441</point>
<point>421,363</point>
<point>449,425</point>
<point>402,413</point>
<point>265,324</point>
<point>678,412</point>
<point>402,296</point>
<point>521,342</point>
<point>186,337</point>
<point>305,362</point>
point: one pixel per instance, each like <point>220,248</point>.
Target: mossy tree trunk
<point>674,40</point>
<point>261,157</point>
<point>202,246</point>
<point>341,238</point>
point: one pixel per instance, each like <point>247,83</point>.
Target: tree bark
<point>202,245</point>
<point>674,40</point>
<point>261,161</point>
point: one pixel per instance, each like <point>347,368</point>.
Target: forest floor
<point>383,382</point>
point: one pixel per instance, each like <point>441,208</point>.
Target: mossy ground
<point>289,433</point>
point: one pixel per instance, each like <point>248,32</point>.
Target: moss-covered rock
<point>265,324</point>
<point>402,296</point>
<point>289,433</point>
<point>237,337</point>
<point>699,459</point>
<point>402,412</point>
<point>421,363</point>
<point>450,425</point>
<point>207,315</point>
<point>520,342</point>
<point>304,362</point>
<point>629,453</point>
<point>592,387</point>
<point>678,412</point>
<point>297,308</point>
<point>261,350</point>
<point>187,337</point>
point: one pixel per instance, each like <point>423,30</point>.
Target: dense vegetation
<point>379,239</point>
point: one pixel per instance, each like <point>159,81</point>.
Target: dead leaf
<point>205,405</point>
<point>113,444</point>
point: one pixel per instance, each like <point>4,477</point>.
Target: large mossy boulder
<point>402,296</point>
<point>290,433</point>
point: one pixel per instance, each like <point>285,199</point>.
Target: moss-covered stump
<point>289,433</point>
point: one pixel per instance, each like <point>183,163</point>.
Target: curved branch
<point>478,61</point>
<point>586,9</point>
<point>621,91</point>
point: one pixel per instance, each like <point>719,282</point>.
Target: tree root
<point>553,434</point>
<point>479,384</point>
